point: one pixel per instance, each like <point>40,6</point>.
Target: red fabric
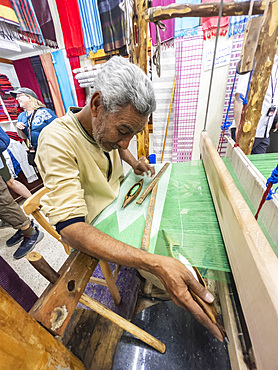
<point>209,24</point>
<point>27,77</point>
<point>14,136</point>
<point>80,91</point>
<point>71,27</point>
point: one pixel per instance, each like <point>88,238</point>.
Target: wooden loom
<point>253,263</point>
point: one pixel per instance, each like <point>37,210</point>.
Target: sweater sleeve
<point>57,164</point>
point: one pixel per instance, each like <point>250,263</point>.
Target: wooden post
<point>25,344</point>
<point>138,54</point>
<point>264,55</point>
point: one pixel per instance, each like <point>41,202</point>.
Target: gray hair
<point>122,83</point>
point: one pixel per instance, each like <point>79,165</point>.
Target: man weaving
<point>79,158</point>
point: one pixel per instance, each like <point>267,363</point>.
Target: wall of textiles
<point>187,52</point>
<point>82,27</point>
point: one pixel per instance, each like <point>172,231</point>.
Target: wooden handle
<point>40,264</point>
<point>149,220</point>
<point>152,184</point>
<point>123,323</point>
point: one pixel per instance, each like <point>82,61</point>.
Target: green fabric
<point>261,162</point>
<point>265,163</point>
<point>184,210</point>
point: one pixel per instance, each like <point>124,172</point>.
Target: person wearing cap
<point>79,159</point>
<point>35,117</point>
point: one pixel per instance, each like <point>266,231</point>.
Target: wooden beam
<point>56,305</point>
<point>25,344</point>
<point>139,54</point>
<point>264,56</point>
<point>254,264</point>
<point>230,8</point>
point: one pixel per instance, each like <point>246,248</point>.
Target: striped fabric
<point>89,15</point>
<point>29,27</point>
<point>189,51</point>
<point>112,23</point>
<point>163,87</point>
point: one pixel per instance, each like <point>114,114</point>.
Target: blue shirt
<point>42,118</point>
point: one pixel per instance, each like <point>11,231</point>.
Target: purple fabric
<point>169,23</point>
<point>15,286</point>
<point>128,285</point>
<point>27,77</point>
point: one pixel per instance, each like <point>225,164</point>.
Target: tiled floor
<point>52,251</point>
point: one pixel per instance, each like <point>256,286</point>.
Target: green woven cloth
<point>265,163</point>
<point>184,210</point>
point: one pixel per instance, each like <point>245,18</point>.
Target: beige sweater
<point>75,169</point>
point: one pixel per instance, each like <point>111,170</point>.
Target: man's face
<point>114,131</point>
<point>23,100</point>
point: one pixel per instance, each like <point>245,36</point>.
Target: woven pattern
<point>189,52</point>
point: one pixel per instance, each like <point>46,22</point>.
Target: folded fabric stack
<point>10,103</point>
<point>86,76</point>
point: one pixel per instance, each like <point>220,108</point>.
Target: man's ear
<point>95,103</point>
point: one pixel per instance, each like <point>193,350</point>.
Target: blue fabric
<point>91,26</point>
<point>60,225</point>
<point>42,118</point>
<point>187,26</point>
<point>63,78</point>
<point>4,140</point>
<point>15,163</point>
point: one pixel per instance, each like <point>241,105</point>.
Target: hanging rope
<point>273,179</point>
<point>156,55</point>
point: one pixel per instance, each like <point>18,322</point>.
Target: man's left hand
<point>142,166</point>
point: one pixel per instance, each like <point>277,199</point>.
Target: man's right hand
<point>176,278</point>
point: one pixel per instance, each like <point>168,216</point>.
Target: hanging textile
<point>7,14</point>
<point>27,77</point>
<point>235,57</point>
<point>70,76</point>
<point>90,16</point>
<point>29,27</point>
<point>189,51</point>
<point>39,72</point>
<point>210,24</point>
<point>112,24</point>
<point>50,74</point>
<point>169,23</point>
<point>187,26</point>
<point>45,21</point>
<point>63,80</point>
<point>71,27</point>
<point>80,91</point>
<point>163,87</point>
